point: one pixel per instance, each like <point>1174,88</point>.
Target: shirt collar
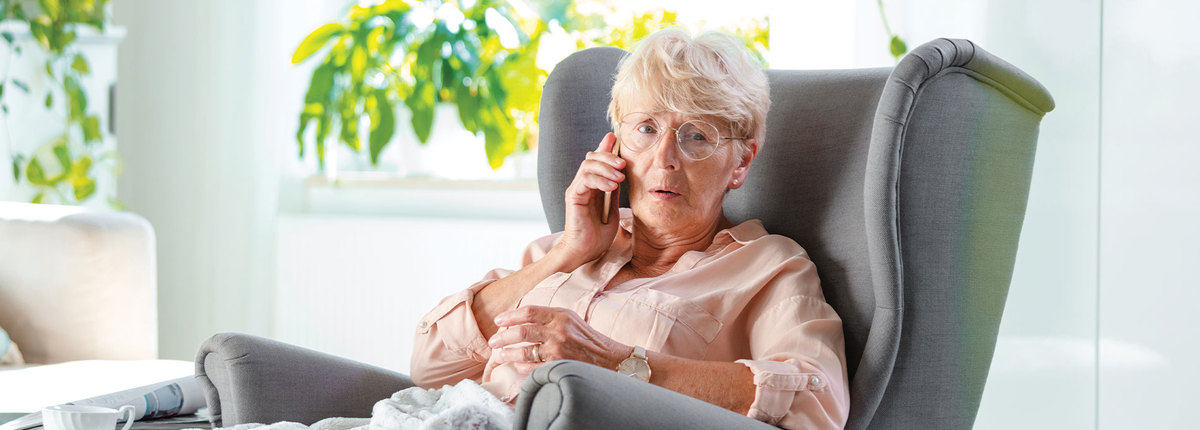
<point>743,233</point>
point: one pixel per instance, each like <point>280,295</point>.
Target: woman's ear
<point>743,167</point>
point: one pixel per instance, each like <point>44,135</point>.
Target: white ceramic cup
<point>73,417</point>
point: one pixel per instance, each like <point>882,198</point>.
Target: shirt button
<point>424,324</point>
<point>814,381</point>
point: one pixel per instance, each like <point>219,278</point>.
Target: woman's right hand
<point>585,237</point>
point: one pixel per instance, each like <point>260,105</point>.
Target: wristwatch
<point>636,366</point>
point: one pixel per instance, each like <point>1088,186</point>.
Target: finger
<point>607,143</point>
<point>516,354</point>
<point>526,368</point>
<point>601,168</point>
<point>591,182</point>
<point>610,159</point>
<point>517,334</point>
<point>526,315</point>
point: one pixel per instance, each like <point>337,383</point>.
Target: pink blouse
<point>751,298</point>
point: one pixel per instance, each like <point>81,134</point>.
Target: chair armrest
<point>249,379</point>
<point>576,395</point>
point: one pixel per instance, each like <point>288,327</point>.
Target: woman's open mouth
<point>663,193</point>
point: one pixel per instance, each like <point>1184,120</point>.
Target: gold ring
<point>537,355</point>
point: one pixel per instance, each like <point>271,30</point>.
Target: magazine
<point>165,399</point>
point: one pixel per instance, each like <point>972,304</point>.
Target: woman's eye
<point>699,137</point>
<point>645,129</point>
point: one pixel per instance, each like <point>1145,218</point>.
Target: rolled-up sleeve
<point>448,345</point>
<point>798,351</point>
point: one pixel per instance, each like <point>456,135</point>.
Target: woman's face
<point>669,191</point>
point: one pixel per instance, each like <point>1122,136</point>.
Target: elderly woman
<point>673,293</point>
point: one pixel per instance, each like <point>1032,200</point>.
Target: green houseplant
<point>410,54</point>
<point>479,57</point>
<point>64,169</point>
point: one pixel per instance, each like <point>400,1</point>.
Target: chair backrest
<point>77,283</point>
<point>907,187</point>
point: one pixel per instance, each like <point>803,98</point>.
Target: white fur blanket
<point>462,406</point>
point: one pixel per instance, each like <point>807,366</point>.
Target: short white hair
<point>710,75</point>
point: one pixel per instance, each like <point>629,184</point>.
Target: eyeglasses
<point>697,139</point>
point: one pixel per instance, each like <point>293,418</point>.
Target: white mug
<point>73,417</point>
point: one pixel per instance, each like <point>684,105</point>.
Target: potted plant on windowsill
<point>412,59</point>
<point>479,57</point>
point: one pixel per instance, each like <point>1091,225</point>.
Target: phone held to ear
<point>608,194</point>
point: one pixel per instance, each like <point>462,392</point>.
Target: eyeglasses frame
<point>678,139</point>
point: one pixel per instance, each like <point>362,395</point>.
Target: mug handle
<point>128,422</point>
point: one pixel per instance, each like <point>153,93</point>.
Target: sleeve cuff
<point>775,386</point>
<point>454,323</point>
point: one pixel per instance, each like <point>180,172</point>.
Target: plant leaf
<point>320,85</point>
<point>898,47</point>
<point>50,7</point>
<point>305,118</point>
<point>79,169</point>
<point>315,40</point>
<point>322,134</point>
<point>38,198</point>
<point>383,125</point>
<point>358,63</point>
<point>80,64</point>
<point>49,100</point>
<point>8,37</point>
<point>16,164</point>
<point>77,97</point>
<point>84,189</point>
<point>21,85</point>
<point>91,129</point>
<point>499,138</point>
<point>421,103</point>
<point>35,174</point>
<point>468,108</point>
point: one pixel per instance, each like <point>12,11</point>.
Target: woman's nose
<point>666,150</point>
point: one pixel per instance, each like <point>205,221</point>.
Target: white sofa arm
<point>77,283</point>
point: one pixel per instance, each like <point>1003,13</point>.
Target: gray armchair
<point>907,186</point>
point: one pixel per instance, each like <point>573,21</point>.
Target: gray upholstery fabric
<point>249,379</point>
<point>906,186</point>
<point>948,178</point>
<point>575,91</point>
<point>575,395</point>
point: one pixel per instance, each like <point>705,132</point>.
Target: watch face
<point>636,368</point>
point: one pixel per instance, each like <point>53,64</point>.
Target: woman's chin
<point>663,213</point>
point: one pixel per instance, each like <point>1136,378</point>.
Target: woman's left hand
<point>557,334</point>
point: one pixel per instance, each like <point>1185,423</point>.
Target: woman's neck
<point>655,251</point>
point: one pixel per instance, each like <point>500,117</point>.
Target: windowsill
<point>352,180</point>
<point>367,194</point>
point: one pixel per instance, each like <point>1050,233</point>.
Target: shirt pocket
<point>668,323</point>
<point>543,294</point>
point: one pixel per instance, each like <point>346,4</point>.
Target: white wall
<point>1149,215</point>
<point>207,109</point>
<point>358,285</point>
